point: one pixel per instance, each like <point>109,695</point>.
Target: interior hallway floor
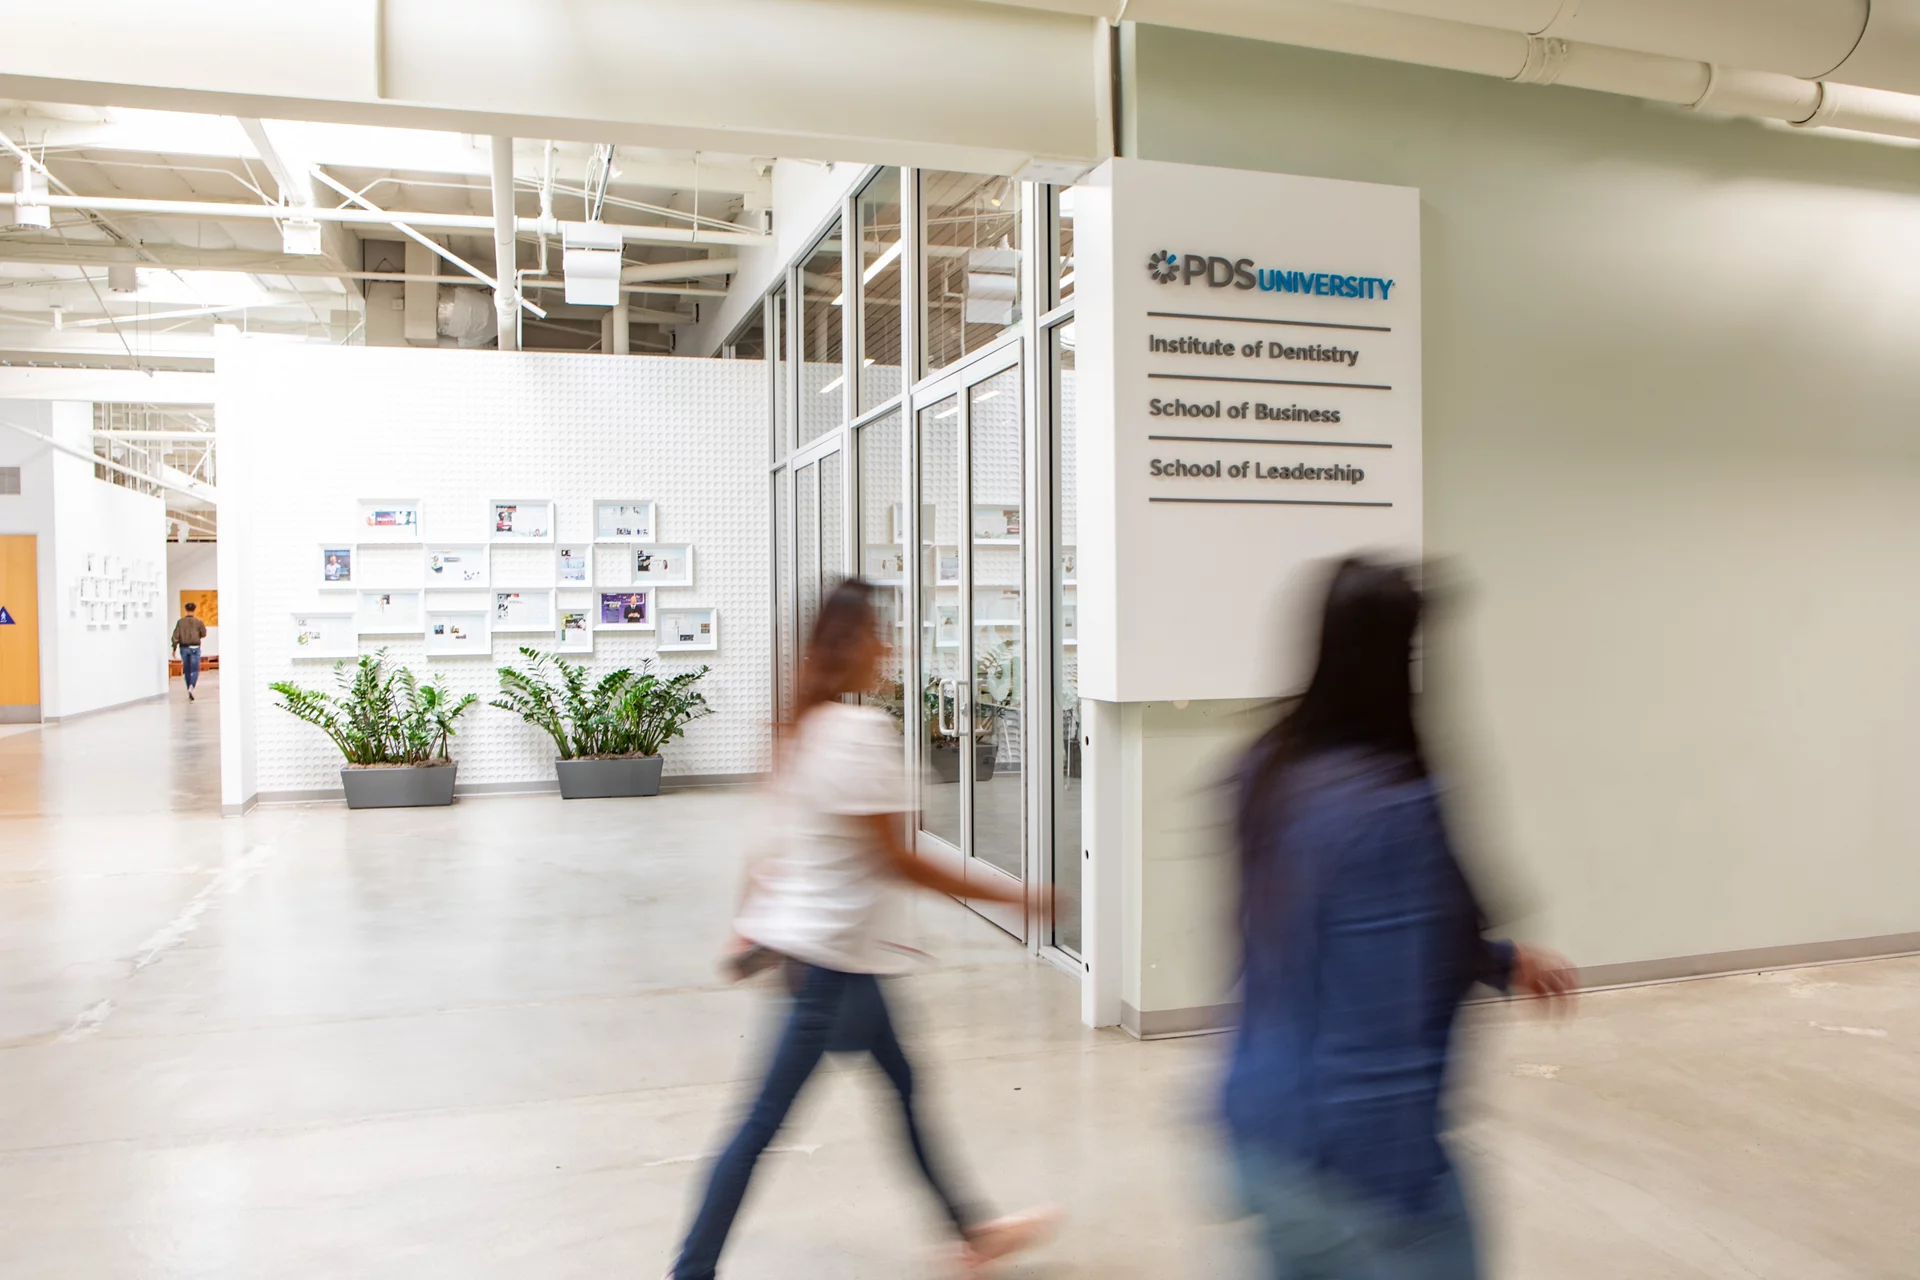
<point>488,1042</point>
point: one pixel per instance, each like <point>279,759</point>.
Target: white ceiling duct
<point>466,316</point>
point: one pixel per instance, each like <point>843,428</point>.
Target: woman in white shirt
<point>822,899</point>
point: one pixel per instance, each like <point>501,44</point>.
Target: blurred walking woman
<point>820,900</point>
<point>1361,937</point>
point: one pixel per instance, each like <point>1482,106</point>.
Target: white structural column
<point>506,259</point>
<point>1250,409</point>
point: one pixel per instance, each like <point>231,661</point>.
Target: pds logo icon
<point>1164,266</point>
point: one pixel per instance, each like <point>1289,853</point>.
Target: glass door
<point>819,504</point>
<point>970,608</point>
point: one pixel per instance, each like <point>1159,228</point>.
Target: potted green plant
<point>610,731</point>
<point>392,729</point>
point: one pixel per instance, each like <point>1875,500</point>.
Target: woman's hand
<point>1546,975</point>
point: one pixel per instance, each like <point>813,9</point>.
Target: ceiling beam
<point>1034,81</point>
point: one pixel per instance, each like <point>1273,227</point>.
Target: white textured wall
<point>1669,406</point>
<point>83,667</point>
<point>308,430</point>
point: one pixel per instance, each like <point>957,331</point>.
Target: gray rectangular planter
<point>406,787</point>
<point>619,776</point>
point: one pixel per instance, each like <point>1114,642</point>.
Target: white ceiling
<point>193,264</point>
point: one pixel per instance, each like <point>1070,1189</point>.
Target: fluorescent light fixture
<point>881,263</point>
<point>201,288</point>
<point>985,396</point>
<point>300,238</point>
<point>949,413</point>
<point>834,385</point>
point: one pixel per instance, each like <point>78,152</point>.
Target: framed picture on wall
<point>573,564</point>
<point>336,566</point>
<point>688,630</point>
<point>388,613</point>
<point>389,520</point>
<point>574,634</point>
<point>624,611</point>
<point>656,564</point>
<point>521,519</point>
<point>453,633</point>
<point>456,566</point>
<point>994,522</point>
<point>523,610</point>
<point>324,635</point>
<point>623,520</point>
<point>946,566</point>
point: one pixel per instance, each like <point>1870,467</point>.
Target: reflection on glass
<point>823,374</point>
<point>972,293</point>
<point>833,515</point>
<point>940,687</point>
<point>880,278</point>
<point>883,554</point>
<point>1068,733</point>
<point>1063,245</point>
<point>999,792</point>
<point>777,342</point>
<point>783,595</point>
<point>806,528</point>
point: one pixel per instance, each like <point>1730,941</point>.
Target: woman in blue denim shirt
<point>1361,937</point>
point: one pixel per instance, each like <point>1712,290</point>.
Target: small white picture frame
<point>625,520</point>
<point>685,630</point>
<point>573,627</point>
<point>573,564</point>
<point>946,566</point>
<point>520,519</point>
<point>388,613</point>
<point>389,520</point>
<point>455,633</point>
<point>324,636</point>
<point>629,610</point>
<point>660,564</point>
<point>885,564</point>
<point>335,566</point>
<point>522,610</point>
<point>455,566</point>
<point>997,522</point>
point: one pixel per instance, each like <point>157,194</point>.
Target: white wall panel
<point>320,427</point>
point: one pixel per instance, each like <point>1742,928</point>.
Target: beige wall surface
<point>1673,451</point>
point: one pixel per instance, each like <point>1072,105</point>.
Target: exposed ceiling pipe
<point>645,271</point>
<point>184,484</point>
<point>363,217</point>
<point>1871,43</point>
<point>1375,30</point>
<point>407,230</point>
<point>506,254</point>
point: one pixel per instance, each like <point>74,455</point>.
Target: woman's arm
<point>884,831</point>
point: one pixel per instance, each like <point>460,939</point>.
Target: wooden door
<point>19,628</point>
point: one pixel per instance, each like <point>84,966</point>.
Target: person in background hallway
<point>1361,937</point>
<point>818,902</point>
<point>187,635</point>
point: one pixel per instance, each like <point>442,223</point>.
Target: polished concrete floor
<point>487,1042</point>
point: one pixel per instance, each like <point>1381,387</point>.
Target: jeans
<point>190,663</point>
<point>831,1011</point>
<point>1315,1229</point>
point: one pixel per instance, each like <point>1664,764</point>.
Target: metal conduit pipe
<point>1378,29</point>
<point>646,271</point>
<point>506,255</point>
<point>1870,43</point>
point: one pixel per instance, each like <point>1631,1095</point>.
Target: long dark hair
<point>1361,694</point>
<point>829,669</point>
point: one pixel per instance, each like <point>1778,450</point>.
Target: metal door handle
<point>949,707</point>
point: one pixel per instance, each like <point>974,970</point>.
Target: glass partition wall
<point>921,360</point>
